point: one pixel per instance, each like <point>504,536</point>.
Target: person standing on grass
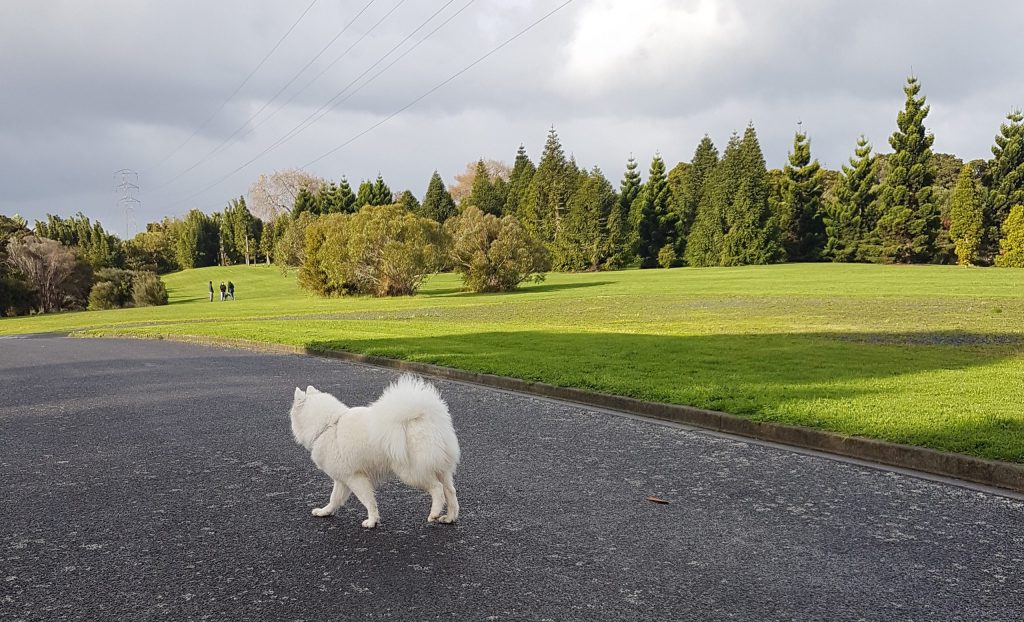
<point>223,291</point>
<point>211,291</point>
<point>231,290</point>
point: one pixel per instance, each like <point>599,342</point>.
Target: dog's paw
<point>447,520</point>
<point>370,523</point>
<point>321,512</point>
<point>433,518</point>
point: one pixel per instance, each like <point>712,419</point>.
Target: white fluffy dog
<point>407,431</point>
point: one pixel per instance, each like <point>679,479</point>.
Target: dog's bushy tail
<point>408,399</point>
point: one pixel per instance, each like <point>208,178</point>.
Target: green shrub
<point>104,295</point>
<point>666,256</point>
<point>1011,247</point>
<point>121,280</point>
<point>148,290</point>
<point>492,254</point>
<point>382,250</point>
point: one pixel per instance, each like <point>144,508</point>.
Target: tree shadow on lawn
<point>456,292</point>
<point>797,378</point>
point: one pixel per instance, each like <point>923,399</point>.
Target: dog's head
<point>312,411</point>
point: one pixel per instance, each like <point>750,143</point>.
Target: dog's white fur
<point>407,431</point>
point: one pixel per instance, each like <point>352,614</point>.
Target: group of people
<point>226,291</point>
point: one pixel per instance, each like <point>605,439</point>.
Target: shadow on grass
<point>456,292</point>
<point>803,379</point>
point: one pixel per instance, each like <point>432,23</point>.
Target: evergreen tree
<point>582,243</point>
<point>1011,246</point>
<point>850,217</point>
<point>304,202</point>
<point>484,196</point>
<point>908,221</point>
<point>621,236</point>
<point>325,198</point>
<point>196,241</point>
<point>753,235</point>
<point>408,201</point>
<point>655,222</point>
<point>380,193</point>
<point>549,191</point>
<point>803,230</point>
<point>365,195</point>
<point>344,198</point>
<point>687,189</point>
<point>437,202</point>
<point>704,245</point>
<point>1005,175</point>
<point>519,183</point>
<point>966,216</point>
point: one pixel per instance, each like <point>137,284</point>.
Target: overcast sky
<point>90,87</point>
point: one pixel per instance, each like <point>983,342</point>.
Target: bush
<point>16,297</point>
<point>121,280</point>
<point>104,295</point>
<point>666,256</point>
<point>382,250</point>
<point>1011,247</point>
<point>492,254</point>
<point>148,290</point>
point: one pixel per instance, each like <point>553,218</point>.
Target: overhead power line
<point>237,88</point>
<point>275,96</point>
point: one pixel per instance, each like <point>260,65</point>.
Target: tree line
<point>721,208</point>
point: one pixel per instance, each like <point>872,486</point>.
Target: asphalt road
<point>159,481</point>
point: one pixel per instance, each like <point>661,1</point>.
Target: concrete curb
<point>1005,475</point>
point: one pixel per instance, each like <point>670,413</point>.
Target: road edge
<point>998,474</point>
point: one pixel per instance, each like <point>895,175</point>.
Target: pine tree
<point>304,202</point>
<point>1011,246</point>
<point>325,198</point>
<point>582,242</point>
<point>519,183</point>
<point>655,223</point>
<point>704,244</point>
<point>380,194</point>
<point>687,188</point>
<point>909,221</point>
<point>409,201</point>
<point>850,217</point>
<point>621,236</point>
<point>803,230</point>
<point>1005,177</point>
<point>549,191</point>
<point>364,196</point>
<point>753,235</point>
<point>484,196</point>
<point>437,202</point>
<point>966,217</point>
<point>344,199</point>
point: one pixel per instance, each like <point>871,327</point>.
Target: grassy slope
<point>926,355</point>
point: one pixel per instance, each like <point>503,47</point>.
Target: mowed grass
<point>923,355</point>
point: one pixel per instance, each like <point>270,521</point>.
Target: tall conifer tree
<point>519,183</point>
<point>704,245</point>
<point>549,191</point>
<point>966,216</point>
<point>437,202</point>
<point>850,217</point>
<point>1005,176</point>
<point>909,220</point>
<point>654,223</point>
<point>803,229</point>
<point>753,234</point>
<point>345,200</point>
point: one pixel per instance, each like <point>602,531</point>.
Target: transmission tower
<point>126,185</point>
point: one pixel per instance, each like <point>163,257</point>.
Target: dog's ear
<point>311,389</point>
<point>299,395</point>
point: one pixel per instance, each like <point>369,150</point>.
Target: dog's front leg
<point>363,490</point>
<point>339,495</point>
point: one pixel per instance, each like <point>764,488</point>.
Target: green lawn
<point>925,355</point>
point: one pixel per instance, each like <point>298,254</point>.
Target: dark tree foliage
<point>519,183</point>
<point>656,223</point>
<point>851,215</point>
<point>437,202</point>
<point>1004,177</point>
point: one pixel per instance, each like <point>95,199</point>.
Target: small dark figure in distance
<point>211,291</point>
<point>231,290</point>
<point>223,291</point>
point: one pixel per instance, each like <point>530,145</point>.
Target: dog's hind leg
<point>436,501</point>
<point>451,500</point>
<point>363,490</point>
<point>339,495</point>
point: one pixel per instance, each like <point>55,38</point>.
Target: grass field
<point>924,355</point>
